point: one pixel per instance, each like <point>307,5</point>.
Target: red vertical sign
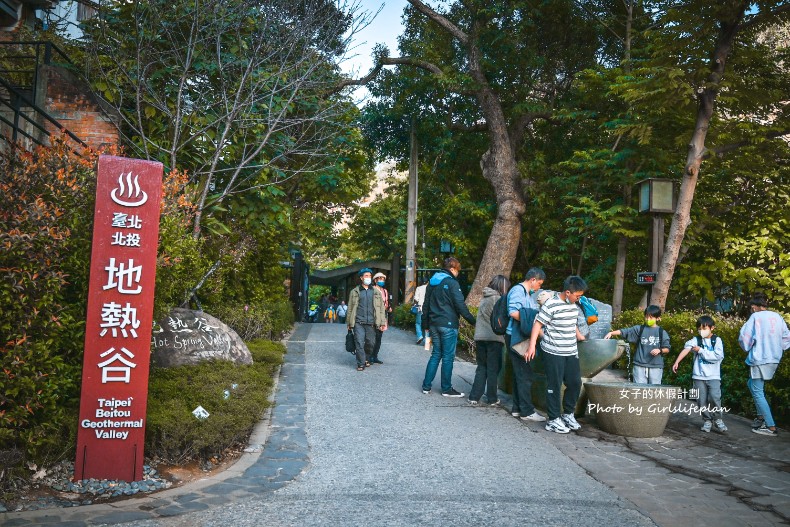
<point>120,312</point>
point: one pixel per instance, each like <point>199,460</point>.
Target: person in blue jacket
<point>764,338</point>
<point>444,303</point>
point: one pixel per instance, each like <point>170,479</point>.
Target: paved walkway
<point>351,448</point>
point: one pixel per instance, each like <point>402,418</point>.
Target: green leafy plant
<point>175,435</point>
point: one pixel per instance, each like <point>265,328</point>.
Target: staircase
<point>22,119</point>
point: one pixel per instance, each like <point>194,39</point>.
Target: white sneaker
<point>534,416</point>
<point>515,414</point>
<point>571,422</point>
<point>706,426</point>
<point>473,403</point>
<point>557,426</point>
<point>720,425</point>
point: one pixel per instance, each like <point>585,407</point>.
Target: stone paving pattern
<point>351,448</point>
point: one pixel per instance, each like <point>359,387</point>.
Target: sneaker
<point>570,421</point>
<point>706,426</point>
<point>376,361</point>
<point>720,426</point>
<point>452,392</point>
<point>534,416</point>
<point>419,340</point>
<point>426,392</point>
<point>758,422</point>
<point>765,431</point>
<point>473,403</point>
<point>515,414</point>
<point>495,403</point>
<point>557,426</point>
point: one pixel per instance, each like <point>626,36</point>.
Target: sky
<point>384,29</point>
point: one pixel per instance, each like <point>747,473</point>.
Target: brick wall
<point>68,100</point>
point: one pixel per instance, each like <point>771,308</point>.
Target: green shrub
<point>259,321</point>
<point>466,334</point>
<point>45,229</point>
<point>403,318</point>
<point>175,435</point>
<point>681,326</point>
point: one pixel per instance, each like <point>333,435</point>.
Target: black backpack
<point>500,316</point>
<point>712,341</point>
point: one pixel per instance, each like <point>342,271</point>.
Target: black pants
<point>523,375</point>
<point>489,362</point>
<point>561,369</point>
<point>377,344</point>
<point>365,338</point>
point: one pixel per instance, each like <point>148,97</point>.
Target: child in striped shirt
<point>557,320</point>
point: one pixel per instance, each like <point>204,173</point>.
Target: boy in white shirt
<point>706,372</point>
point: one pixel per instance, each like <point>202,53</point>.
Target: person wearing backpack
<point>444,303</point>
<point>488,344</point>
<point>652,343</point>
<point>706,372</point>
<point>521,296</point>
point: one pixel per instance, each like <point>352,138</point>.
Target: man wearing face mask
<point>365,314</point>
<point>444,302</point>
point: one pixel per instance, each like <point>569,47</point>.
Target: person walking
<point>342,309</point>
<point>379,284</point>
<point>444,302</point>
<point>419,300</point>
<point>488,345</point>
<point>365,314</point>
<point>764,338</point>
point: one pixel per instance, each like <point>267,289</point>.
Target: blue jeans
<point>757,387</point>
<point>444,341</point>
<point>418,325</point>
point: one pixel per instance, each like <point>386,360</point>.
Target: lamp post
<point>656,197</point>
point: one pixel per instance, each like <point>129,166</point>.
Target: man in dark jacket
<point>444,302</point>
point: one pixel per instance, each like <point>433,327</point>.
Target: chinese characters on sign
<point>118,326</point>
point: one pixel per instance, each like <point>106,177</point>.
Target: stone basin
<point>594,356</point>
<point>631,409</point>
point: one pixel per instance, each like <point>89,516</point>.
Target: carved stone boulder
<point>190,337</point>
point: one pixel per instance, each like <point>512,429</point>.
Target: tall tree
<point>750,102</point>
<point>514,60</point>
<point>235,92</point>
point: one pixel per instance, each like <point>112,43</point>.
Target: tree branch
<point>721,150</point>
<point>391,61</point>
<point>448,26</point>
<point>759,18</point>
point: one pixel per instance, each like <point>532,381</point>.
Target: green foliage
<point>174,434</point>
<point>45,228</point>
<point>403,318</point>
<point>682,326</point>
<point>258,321</point>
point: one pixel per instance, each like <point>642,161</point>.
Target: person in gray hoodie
<point>652,343</point>
<point>764,338</point>
<point>488,345</point>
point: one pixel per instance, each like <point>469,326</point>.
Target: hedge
<point>681,326</point>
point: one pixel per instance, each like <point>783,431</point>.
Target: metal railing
<point>20,64</point>
<point>16,101</point>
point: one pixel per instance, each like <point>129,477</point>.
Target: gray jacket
<point>483,329</point>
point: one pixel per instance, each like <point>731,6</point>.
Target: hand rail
<point>17,113</point>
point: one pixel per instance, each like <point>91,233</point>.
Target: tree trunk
<point>499,167</point>
<point>682,217</point>
<point>619,276</point>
